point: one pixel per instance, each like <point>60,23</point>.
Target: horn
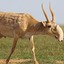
<point>53,15</point>
<point>48,20</point>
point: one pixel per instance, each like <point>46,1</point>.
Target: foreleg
<point>33,50</point>
<point>12,50</point>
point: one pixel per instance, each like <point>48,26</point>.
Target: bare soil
<point>15,61</point>
<point>20,61</point>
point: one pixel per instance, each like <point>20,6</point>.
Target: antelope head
<point>51,28</point>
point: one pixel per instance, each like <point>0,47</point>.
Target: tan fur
<point>10,22</point>
<point>21,25</point>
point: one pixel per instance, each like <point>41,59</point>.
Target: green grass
<point>48,49</point>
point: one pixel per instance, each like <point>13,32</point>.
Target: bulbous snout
<point>60,33</point>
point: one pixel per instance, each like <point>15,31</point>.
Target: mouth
<point>60,40</point>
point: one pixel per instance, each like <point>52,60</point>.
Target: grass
<point>48,49</point>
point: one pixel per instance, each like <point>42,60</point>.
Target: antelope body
<point>21,25</point>
<point>15,23</point>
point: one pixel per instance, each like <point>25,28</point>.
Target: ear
<point>44,24</point>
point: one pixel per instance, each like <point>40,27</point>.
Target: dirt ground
<point>20,61</point>
<point>15,61</point>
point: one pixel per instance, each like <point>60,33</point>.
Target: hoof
<point>7,61</point>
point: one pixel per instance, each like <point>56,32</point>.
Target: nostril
<point>61,40</point>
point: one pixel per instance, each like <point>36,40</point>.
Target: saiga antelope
<point>19,25</point>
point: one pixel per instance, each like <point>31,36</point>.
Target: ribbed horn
<point>53,15</point>
<point>48,20</point>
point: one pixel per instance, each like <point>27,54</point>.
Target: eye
<point>49,26</point>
